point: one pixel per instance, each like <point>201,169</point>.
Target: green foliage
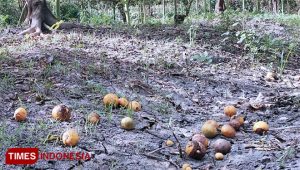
<point>4,20</point>
<point>96,18</point>
<point>69,11</point>
<point>9,12</point>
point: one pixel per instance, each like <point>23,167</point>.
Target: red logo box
<point>18,156</point>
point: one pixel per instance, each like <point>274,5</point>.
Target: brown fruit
<point>223,146</point>
<point>200,138</point>
<point>212,122</point>
<point>20,114</point>
<point>271,76</point>
<point>169,142</point>
<point>110,100</point>
<point>127,123</point>
<point>235,124</point>
<point>195,150</point>
<point>209,130</point>
<point>123,102</point>
<point>241,119</point>
<point>228,131</point>
<point>219,156</point>
<point>260,127</point>
<point>230,111</point>
<point>186,166</point>
<point>70,137</point>
<point>61,112</point>
<point>94,118</point>
<point>135,106</point>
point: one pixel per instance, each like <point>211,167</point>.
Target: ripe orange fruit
<point>110,100</point>
<point>123,102</point>
<point>134,106</point>
<point>70,137</point>
<point>228,131</point>
<point>20,114</point>
<point>230,111</point>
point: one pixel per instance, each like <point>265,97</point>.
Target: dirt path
<point>177,94</point>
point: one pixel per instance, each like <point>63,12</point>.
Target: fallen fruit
<point>135,106</point>
<point>223,146</point>
<point>110,100</point>
<point>212,122</point>
<point>93,118</point>
<point>195,150</point>
<point>260,127</point>
<point>169,142</point>
<point>61,112</point>
<point>70,137</point>
<point>271,76</point>
<point>219,156</point>
<point>20,114</point>
<point>235,124</point>
<point>123,102</point>
<point>186,166</point>
<point>228,131</point>
<point>127,123</point>
<point>209,130</point>
<point>200,138</point>
<point>230,111</point>
<point>241,119</point>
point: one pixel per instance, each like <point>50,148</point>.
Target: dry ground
<point>156,67</point>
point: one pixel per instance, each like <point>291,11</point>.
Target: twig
<point>179,146</point>
<point>155,150</point>
<point>287,127</point>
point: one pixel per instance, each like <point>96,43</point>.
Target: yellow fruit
<point>127,123</point>
<point>219,156</point>
<point>110,100</point>
<point>260,127</point>
<point>212,122</point>
<point>70,137</point>
<point>94,118</point>
<point>228,131</point>
<point>230,111</point>
<point>169,142</point>
<point>135,106</point>
<point>209,130</point>
<point>61,112</point>
<point>186,166</point>
<point>123,102</point>
<point>20,114</point>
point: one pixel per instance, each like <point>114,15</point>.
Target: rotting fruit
<point>209,130</point>
<point>70,137</point>
<point>111,100</point>
<point>230,111</point>
<point>20,114</point>
<point>134,106</point>
<point>228,131</point>
<point>241,119</point>
<point>260,127</point>
<point>200,138</point>
<point>127,123</point>
<point>123,102</point>
<point>61,112</point>
<point>222,146</point>
<point>195,150</point>
<point>219,156</point>
<point>93,118</point>
<point>235,123</point>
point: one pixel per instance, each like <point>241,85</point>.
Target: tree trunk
<point>220,6</point>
